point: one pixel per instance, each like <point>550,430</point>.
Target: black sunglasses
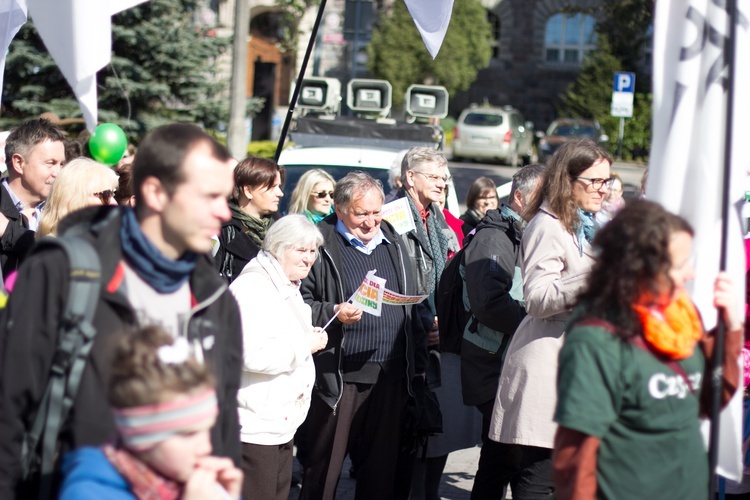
<point>106,196</point>
<point>322,194</point>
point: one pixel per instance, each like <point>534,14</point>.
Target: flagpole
<point>298,86</point>
<point>718,358</point>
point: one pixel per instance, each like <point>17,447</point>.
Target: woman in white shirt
<point>279,340</point>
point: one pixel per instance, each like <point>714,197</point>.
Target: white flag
<point>432,18</point>
<point>687,154</point>
<point>12,17</point>
<point>78,36</point>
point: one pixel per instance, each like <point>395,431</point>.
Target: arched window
<point>567,38</point>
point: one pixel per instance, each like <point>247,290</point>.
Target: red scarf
<point>146,483</point>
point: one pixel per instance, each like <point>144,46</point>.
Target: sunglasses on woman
<point>322,194</point>
<point>106,196</point>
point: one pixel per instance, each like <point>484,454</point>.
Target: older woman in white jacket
<point>556,258</point>
<point>279,340</point>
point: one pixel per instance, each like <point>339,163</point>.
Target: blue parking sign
<point>624,82</point>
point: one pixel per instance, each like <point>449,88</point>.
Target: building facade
<point>538,48</point>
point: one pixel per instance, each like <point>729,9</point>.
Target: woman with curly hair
<point>556,257</point>
<point>631,382</point>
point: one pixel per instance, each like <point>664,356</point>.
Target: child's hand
<point>227,475</point>
<point>201,485</point>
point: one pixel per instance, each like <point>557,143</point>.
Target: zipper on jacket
<point>343,332</point>
<point>197,343</point>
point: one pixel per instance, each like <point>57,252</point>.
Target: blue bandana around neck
<point>586,229</point>
<point>163,274</point>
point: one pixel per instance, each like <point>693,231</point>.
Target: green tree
<point>590,96</point>
<point>163,69</point>
<point>623,32</point>
<point>397,53</point>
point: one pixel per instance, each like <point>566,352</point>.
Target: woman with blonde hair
<point>313,195</point>
<point>81,183</point>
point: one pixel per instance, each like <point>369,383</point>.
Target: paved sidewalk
<point>458,477</point>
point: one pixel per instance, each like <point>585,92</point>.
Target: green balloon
<point>108,144</point>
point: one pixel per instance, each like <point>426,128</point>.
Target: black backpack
<point>449,305</point>
<point>75,338</point>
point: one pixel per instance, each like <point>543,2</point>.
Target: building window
<point>568,38</point>
<point>494,21</point>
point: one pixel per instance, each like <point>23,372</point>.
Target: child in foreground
<point>164,405</point>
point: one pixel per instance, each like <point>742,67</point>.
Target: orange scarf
<point>672,330</point>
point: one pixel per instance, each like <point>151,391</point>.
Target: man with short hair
<point>154,270</point>
<point>364,375</point>
<point>493,292</point>
<point>34,155</point>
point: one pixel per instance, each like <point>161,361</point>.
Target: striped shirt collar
<point>366,248</point>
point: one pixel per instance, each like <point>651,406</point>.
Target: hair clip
<point>176,353</point>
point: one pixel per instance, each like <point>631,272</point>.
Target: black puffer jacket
<point>29,330</point>
<point>323,290</point>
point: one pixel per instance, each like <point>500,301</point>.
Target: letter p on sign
<point>624,82</point>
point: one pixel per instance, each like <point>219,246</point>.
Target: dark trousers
<point>527,469</point>
<point>368,413</point>
<point>426,478</point>
<point>268,471</point>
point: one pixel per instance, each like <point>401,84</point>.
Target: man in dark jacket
<point>34,154</point>
<point>154,270</point>
<point>493,292</point>
<point>364,375</point>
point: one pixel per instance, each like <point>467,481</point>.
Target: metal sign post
<point>623,90</point>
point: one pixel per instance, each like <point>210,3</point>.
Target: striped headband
<point>142,427</point>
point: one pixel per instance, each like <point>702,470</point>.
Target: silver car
<point>492,133</point>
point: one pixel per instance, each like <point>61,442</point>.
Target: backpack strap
<point>640,342</point>
<point>75,339</point>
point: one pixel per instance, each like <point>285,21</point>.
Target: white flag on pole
<point>12,17</point>
<point>432,18</point>
<point>687,154</point>
<point>78,36</point>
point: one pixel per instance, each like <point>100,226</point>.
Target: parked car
<point>493,133</point>
<point>563,130</point>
